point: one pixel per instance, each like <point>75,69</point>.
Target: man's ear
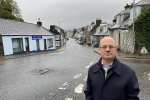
<point>99,50</point>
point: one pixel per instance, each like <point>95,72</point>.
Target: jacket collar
<point>116,67</point>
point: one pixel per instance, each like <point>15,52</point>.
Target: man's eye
<point>104,47</point>
<point>111,47</point>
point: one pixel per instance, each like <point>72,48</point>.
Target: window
<point>50,42</point>
<point>118,19</point>
<point>137,11</point>
<point>17,44</point>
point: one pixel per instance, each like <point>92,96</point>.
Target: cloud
<point>75,13</point>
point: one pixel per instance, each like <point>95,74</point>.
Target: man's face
<point>107,48</point>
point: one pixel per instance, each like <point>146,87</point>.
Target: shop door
<point>45,45</point>
<point>27,45</point>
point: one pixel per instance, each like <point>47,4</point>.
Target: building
<point>21,37</point>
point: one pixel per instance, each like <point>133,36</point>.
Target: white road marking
<point>77,76</point>
<point>85,79</point>
<point>50,98</point>
<point>79,88</point>
<point>52,94</point>
<point>87,66</point>
<point>91,63</point>
<point>148,75</point>
<point>68,98</point>
<point>64,86</point>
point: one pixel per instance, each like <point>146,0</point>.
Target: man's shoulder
<point>124,66</point>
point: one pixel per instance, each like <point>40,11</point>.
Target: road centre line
<point>64,86</point>
<point>77,76</point>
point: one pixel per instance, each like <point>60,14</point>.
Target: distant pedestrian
<point>109,79</point>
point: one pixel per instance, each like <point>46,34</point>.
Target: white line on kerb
<point>79,88</point>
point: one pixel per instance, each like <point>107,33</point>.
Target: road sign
<point>123,31</point>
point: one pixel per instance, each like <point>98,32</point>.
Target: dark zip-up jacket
<point>120,83</point>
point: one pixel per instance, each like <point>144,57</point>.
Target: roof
<point>102,31</point>
<point>11,27</point>
<point>127,11</point>
<point>143,2</point>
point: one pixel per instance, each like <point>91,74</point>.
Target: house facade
<point>21,38</point>
<point>101,32</point>
<point>59,36</point>
<point>121,32</point>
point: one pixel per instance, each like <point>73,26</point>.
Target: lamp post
<point>60,22</point>
<point>133,29</point>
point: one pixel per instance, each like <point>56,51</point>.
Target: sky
<point>71,14</point>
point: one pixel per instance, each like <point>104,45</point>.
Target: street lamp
<point>133,28</point>
<point>60,22</point>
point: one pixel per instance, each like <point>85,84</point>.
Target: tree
<point>10,10</point>
<point>142,30</point>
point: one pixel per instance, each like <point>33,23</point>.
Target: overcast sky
<point>75,13</point>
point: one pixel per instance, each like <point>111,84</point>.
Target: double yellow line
<point>123,57</point>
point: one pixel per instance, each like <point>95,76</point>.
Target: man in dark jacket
<point>109,79</point>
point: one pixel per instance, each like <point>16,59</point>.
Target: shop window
<point>17,44</point>
<point>50,42</point>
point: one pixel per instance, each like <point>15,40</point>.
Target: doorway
<point>45,45</point>
<point>27,45</point>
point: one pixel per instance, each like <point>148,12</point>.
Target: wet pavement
<point>30,54</point>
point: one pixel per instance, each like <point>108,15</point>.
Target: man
<point>109,79</point>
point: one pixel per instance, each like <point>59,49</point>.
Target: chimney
<point>92,22</point>
<point>52,27</point>
<point>98,22</point>
<point>82,28</point>
<point>39,23</point>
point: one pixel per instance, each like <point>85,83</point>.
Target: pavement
<point>126,55</point>
<point>96,50</point>
<point>30,54</point>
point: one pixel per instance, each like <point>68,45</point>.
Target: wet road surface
<point>59,75</point>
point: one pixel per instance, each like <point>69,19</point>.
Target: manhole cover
<point>40,71</point>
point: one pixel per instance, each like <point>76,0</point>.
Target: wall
<point>123,44</point>
<point>7,44</point>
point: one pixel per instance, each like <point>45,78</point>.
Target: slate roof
<point>11,27</point>
<point>143,2</point>
<point>127,11</point>
<point>101,33</point>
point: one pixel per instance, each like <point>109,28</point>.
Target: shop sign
<point>36,37</point>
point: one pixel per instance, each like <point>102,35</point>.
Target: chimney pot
<point>39,19</point>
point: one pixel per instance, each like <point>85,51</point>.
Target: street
<point>59,75</point>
